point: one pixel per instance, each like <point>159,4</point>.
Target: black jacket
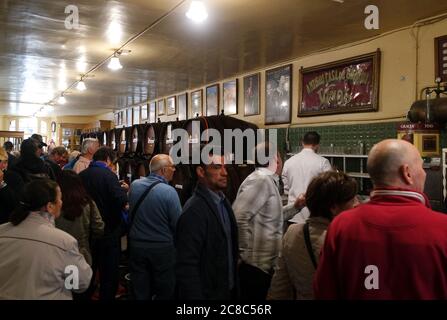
<point>9,195</point>
<point>104,188</point>
<point>32,167</point>
<point>202,255</point>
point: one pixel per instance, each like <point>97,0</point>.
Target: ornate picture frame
<point>344,86</point>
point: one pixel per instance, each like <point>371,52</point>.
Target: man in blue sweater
<point>152,251</point>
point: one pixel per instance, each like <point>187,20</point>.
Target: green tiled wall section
<point>346,136</point>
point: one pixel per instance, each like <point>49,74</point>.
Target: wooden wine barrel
<point>141,168</point>
<point>136,139</point>
<point>152,134</point>
<point>166,133</point>
<point>220,123</point>
<point>126,169</point>
<point>184,181</point>
<point>104,139</point>
<point>113,139</point>
<point>124,140</point>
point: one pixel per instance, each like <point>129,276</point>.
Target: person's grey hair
<point>87,143</point>
<point>158,163</point>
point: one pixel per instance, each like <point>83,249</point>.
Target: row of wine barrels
<point>185,180</point>
<point>154,138</point>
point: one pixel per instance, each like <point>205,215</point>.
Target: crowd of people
<point>62,222</point>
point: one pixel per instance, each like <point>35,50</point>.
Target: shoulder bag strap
<point>140,200</point>
<point>309,244</point>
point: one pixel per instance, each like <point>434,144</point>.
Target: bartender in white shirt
<point>300,169</point>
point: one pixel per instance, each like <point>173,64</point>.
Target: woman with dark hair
<point>38,261</point>
<point>327,195</point>
<point>80,217</point>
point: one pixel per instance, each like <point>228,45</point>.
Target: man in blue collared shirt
<point>152,252</point>
<point>207,238</point>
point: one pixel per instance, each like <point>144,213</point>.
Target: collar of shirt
<point>400,192</point>
<point>217,197</point>
<point>47,216</point>
<point>158,177</point>
<point>308,150</point>
<point>98,164</point>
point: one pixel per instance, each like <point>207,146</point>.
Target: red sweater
<point>402,240</point>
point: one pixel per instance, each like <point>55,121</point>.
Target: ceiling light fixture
<point>62,99</point>
<point>197,12</point>
<point>114,63</point>
<point>81,85</point>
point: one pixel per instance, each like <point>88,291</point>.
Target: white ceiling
<point>40,57</point>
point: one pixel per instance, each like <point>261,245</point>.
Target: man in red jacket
<point>393,247</point>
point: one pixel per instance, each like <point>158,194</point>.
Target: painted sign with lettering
<point>350,85</point>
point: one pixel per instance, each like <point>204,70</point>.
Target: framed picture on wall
<point>172,108</point>
<point>441,58</point>
<point>129,117</point>
<point>161,107</point>
<point>196,103</point>
<point>182,101</point>
<point>251,95</point>
<point>230,97</point>
<point>152,112</point>
<point>212,100</point>
<point>136,115</point>
<point>278,97</point>
<point>121,118</point>
<point>144,112</point>
<point>344,86</point>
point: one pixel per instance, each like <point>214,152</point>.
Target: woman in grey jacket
<point>80,217</point>
<point>38,261</point>
<point>327,195</point>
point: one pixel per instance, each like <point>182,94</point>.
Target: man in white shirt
<point>260,216</point>
<point>300,169</point>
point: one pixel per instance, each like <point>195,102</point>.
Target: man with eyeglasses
<point>207,238</point>
<point>154,215</point>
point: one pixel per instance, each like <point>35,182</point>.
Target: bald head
<point>396,163</point>
<point>162,165</point>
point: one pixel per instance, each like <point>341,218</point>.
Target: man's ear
<point>49,207</point>
<point>405,174</point>
<point>200,172</point>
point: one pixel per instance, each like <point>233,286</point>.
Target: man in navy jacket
<point>207,239</point>
<point>110,196</point>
